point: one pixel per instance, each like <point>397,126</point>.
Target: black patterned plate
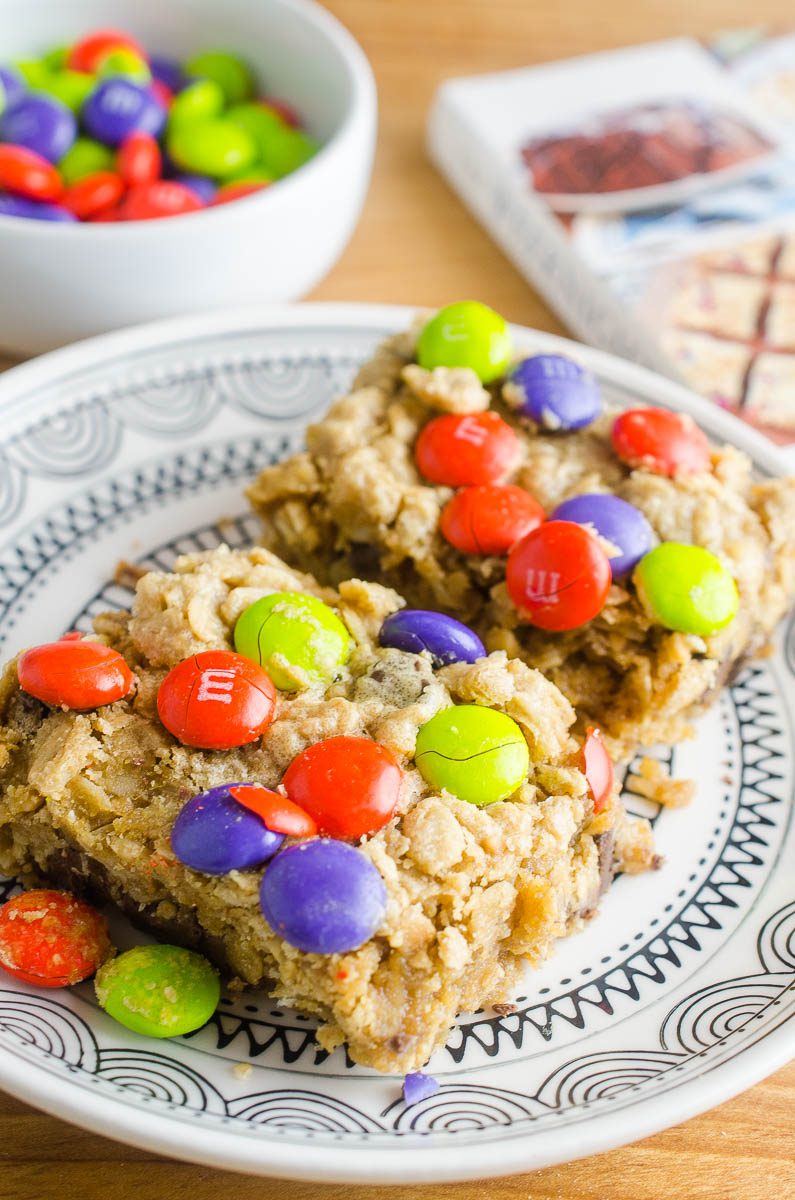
<point>136,446</point>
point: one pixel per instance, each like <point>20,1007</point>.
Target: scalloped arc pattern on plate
<point>710,1019</point>
<point>711,1025</point>
<point>88,436</point>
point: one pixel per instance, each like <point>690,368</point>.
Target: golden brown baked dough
<point>354,503</point>
<point>89,799</point>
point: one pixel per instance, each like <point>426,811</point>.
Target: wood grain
<point>417,245</point>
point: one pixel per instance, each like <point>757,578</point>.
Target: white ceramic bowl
<point>62,282</point>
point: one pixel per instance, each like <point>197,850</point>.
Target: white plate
<point>680,995</point>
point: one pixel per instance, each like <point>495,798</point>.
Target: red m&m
<point>26,173</point>
<point>93,195</point>
<point>50,939</point>
<point>216,700</point>
<point>660,441</point>
<point>597,766</point>
<point>275,810</point>
<point>74,674</point>
<point>163,198</point>
<point>87,54</point>
<point>139,159</point>
<point>457,450</point>
<point>350,785</point>
<point>558,576</point>
<point>489,518</point>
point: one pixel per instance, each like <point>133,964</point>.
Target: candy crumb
<point>418,1086</point>
<point>242,1070</point>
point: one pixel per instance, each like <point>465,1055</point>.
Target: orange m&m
<point>459,450</point>
<point>278,813</point>
<point>74,673</point>
<point>216,700</point>
<point>660,441</point>
<point>489,518</point>
<point>597,766</point>
<point>349,785</point>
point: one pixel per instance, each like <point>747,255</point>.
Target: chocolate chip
<point>505,1010</point>
<point>399,1043</point>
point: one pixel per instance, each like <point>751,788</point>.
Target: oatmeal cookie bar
<point>355,503</point>
<point>473,893</point>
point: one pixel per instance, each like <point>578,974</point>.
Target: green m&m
<point>293,635</point>
<point>197,102</point>
<point>85,157</point>
<point>468,334</point>
<point>686,588</point>
<point>232,75</point>
<point>211,147</point>
<point>159,991</point>
<point>478,754</point>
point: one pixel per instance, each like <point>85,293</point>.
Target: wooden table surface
<point>417,245</point>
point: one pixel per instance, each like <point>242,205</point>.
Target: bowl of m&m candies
<point>175,160</point>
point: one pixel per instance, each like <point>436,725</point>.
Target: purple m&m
<point>618,522</point>
<point>20,206</point>
<point>12,86</point>
<point>323,897</point>
<point>42,124</point>
<point>445,639</point>
<point>168,71</point>
<point>118,107</point>
<point>215,834</point>
<point>201,186</point>
<point>555,392</point>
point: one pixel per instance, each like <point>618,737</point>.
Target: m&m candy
<point>444,638</point>
<point>159,991</point>
<point>555,392</point>
<point>64,115</point>
<point>93,194</point>
<point>167,71</point>
<point>660,441</point>
<point>467,334</point>
<point>323,897</point>
<point>216,700</point>
<point>50,939</point>
<point>87,53</point>
<point>215,147</point>
<point>118,107</point>
<point>558,576</point>
<point>25,173</point>
<point>686,588</point>
<point>18,206</point>
<point>616,521</point>
<point>74,674</point>
<point>12,86</point>
<point>294,636</point>
<point>139,159</point>
<point>163,198</point>
<point>230,73</point>
<point>40,124</point>
<point>85,157</point>
<point>278,813</point>
<point>457,450</point>
<point>597,767</point>
<point>490,518</point>
<point>350,786</point>
<point>215,833</point>
<point>478,754</point>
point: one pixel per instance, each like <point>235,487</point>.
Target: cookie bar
<point>473,890</point>
<point>356,502</point>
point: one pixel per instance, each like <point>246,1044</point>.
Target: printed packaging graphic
<point>649,193</point>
